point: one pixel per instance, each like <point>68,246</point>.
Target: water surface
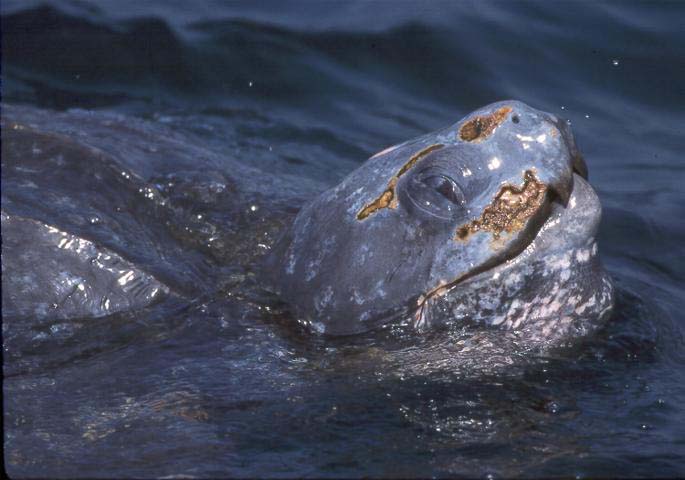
<point>214,381</point>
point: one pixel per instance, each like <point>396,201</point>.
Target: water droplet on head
<point>615,62</point>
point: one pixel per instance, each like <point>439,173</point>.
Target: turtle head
<point>423,216</point>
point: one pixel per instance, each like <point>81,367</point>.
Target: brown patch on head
<point>387,198</point>
<point>508,212</point>
<point>510,209</point>
<point>479,128</point>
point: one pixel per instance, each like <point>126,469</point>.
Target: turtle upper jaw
<point>555,226</point>
<point>574,224</point>
<point>565,227</point>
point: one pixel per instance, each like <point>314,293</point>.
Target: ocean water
<point>271,102</point>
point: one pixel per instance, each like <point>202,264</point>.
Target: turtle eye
<point>446,187</point>
<point>435,193</point>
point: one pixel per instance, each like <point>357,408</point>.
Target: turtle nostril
<point>515,119</point>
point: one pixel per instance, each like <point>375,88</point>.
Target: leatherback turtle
<point>489,221</point>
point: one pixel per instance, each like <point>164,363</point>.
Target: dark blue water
<point>213,381</point>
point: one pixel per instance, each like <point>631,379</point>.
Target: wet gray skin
<point>490,220</point>
<point>105,213</point>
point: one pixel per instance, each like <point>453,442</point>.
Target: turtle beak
<point>577,160</point>
<point>579,166</point>
<point>559,177</point>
